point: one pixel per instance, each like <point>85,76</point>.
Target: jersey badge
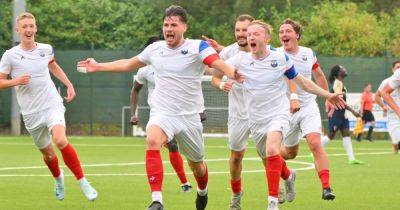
<point>274,63</point>
<point>184,52</point>
<point>304,58</point>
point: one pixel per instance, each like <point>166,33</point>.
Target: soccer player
<point>145,76</point>
<point>337,119</point>
<point>42,109</point>
<point>238,129</point>
<point>265,89</point>
<point>307,120</point>
<point>177,98</point>
<point>367,101</point>
<point>390,91</point>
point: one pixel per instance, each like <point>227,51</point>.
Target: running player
<point>337,119</point>
<point>145,76</point>
<point>307,121</point>
<point>264,72</point>
<point>390,91</point>
<point>177,98</point>
<point>42,109</point>
<point>238,130</point>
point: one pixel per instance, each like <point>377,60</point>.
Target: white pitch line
<point>309,167</point>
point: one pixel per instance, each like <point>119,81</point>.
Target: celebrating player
<point>238,130</point>
<point>389,90</point>
<point>264,72</point>
<point>29,64</point>
<point>307,121</point>
<point>145,76</point>
<point>177,98</point>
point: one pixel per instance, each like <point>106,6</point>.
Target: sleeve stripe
<point>315,66</point>
<point>210,59</point>
<point>203,45</point>
<point>291,73</point>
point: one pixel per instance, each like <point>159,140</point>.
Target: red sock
<point>154,169</point>
<point>236,186</point>
<point>285,173</point>
<point>53,166</point>
<point>273,169</point>
<point>202,181</point>
<point>324,177</point>
<point>177,163</point>
<point>72,161</point>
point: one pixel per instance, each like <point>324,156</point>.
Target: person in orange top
<point>367,101</point>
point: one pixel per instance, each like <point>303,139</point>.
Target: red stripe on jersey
<point>210,59</point>
<point>315,66</point>
<point>52,60</point>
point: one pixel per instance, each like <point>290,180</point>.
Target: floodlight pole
<point>19,6</point>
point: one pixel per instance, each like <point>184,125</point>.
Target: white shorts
<point>187,131</point>
<point>307,120</point>
<point>394,128</point>
<point>39,124</point>
<point>238,133</point>
<point>260,130</point>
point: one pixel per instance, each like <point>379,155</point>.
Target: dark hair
<point>244,17</point>
<point>153,39</point>
<point>175,10</point>
<point>395,62</point>
<point>296,26</point>
<point>334,73</point>
<point>367,85</point>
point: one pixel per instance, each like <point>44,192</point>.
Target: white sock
<point>348,147</point>
<point>202,192</point>
<point>271,198</point>
<point>82,180</point>
<point>156,196</point>
<point>324,140</point>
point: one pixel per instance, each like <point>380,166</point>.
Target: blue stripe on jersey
<point>286,57</point>
<point>291,73</point>
<point>314,54</point>
<point>272,48</point>
<point>203,45</point>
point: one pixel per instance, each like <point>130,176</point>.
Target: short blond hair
<point>267,27</point>
<point>24,15</point>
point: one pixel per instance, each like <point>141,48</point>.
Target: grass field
<point>115,167</point>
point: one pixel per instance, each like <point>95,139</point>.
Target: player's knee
<point>271,151</point>
<point>291,154</point>
<point>236,158</point>
<point>60,141</point>
<point>153,143</point>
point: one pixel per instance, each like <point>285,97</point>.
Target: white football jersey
<point>178,74</point>
<point>265,86</point>
<point>40,93</point>
<point>305,62</point>
<point>395,94</point>
<point>237,106</point>
<point>145,76</point>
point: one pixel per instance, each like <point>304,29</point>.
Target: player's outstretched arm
<point>214,44</point>
<point>7,83</point>
<point>228,70</point>
<point>379,101</point>
<point>124,65</point>
<point>385,93</point>
<point>309,86</point>
<point>56,70</point>
<point>134,101</point>
<point>294,98</point>
<point>217,82</point>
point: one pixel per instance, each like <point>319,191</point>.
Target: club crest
<point>41,53</point>
<point>304,58</point>
<point>184,52</point>
<point>274,63</point>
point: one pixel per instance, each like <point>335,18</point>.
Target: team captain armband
<point>315,66</point>
<point>291,73</point>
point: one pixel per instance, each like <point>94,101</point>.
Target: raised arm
<point>311,87</point>
<point>379,101</point>
<point>385,93</point>
<point>56,70</point>
<point>134,101</point>
<point>123,65</point>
